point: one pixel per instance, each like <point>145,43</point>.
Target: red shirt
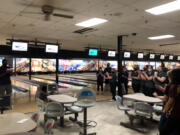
<point>174,92</point>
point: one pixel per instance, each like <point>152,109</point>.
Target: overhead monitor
<point>93,52</point>
<point>111,53</point>
<point>50,48</point>
<point>127,54</point>
<point>19,46</point>
<point>140,55</point>
<point>178,58</point>
<point>171,57</point>
<point>151,56</point>
<point>162,56</point>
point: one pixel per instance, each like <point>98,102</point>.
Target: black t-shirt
<point>100,78</point>
<point>135,74</point>
<point>149,74</point>
<point>107,69</point>
<point>125,79</point>
<point>5,79</point>
<point>160,74</point>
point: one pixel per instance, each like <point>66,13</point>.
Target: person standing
<point>171,126</point>
<point>136,79</point>
<point>164,98</point>
<point>100,80</point>
<point>160,79</point>
<point>5,81</point>
<point>149,84</point>
<point>113,83</point>
<point>107,72</point>
<point>125,76</point>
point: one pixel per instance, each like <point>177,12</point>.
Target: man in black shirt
<point>100,80</point>
<point>5,81</point>
<point>136,78</point>
<point>149,85</point>
<point>160,79</point>
<point>107,72</point>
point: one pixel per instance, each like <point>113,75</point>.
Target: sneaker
<point>112,100</point>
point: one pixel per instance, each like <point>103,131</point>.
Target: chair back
<point>54,109</point>
<point>52,88</point>
<point>118,101</point>
<point>40,104</point>
<point>35,117</point>
<point>48,126</point>
<point>127,102</point>
<point>86,98</point>
<point>143,109</point>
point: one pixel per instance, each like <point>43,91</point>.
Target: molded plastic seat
<point>75,109</point>
<point>120,106</point>
<point>41,105</point>
<point>35,117</point>
<point>68,105</point>
<point>48,126</point>
<point>86,98</point>
<point>53,110</point>
<point>143,109</point>
<point>157,108</point>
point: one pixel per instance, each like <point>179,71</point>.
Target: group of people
<point>164,85</point>
<point>145,81</point>
<point>109,76</point>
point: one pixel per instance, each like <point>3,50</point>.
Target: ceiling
<point>124,17</point>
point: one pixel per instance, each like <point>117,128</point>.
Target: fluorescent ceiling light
<point>161,37</point>
<point>91,22</point>
<point>165,8</point>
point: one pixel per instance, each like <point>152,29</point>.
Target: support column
<point>15,66</point>
<point>30,71</point>
<point>119,59</point>
<point>57,64</point>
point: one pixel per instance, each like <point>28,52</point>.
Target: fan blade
<point>62,9</point>
<point>169,44</point>
<point>65,16</point>
<point>39,6</point>
<point>29,12</point>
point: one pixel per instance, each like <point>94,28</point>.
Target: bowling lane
<point>81,76</point>
<point>64,79</point>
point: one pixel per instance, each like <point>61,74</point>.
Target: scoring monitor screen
<point>162,57</point>
<point>51,48</point>
<point>140,55</point>
<point>178,58</point>
<point>152,56</point>
<point>127,54</point>
<point>111,53</point>
<point>19,46</point>
<point>93,52</point>
<point>171,57</point>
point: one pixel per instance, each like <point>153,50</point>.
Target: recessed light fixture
<point>161,37</point>
<point>91,22</point>
<point>165,8</point>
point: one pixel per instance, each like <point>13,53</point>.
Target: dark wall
<point>35,52</point>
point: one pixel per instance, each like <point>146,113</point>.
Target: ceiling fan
<point>48,11</point>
